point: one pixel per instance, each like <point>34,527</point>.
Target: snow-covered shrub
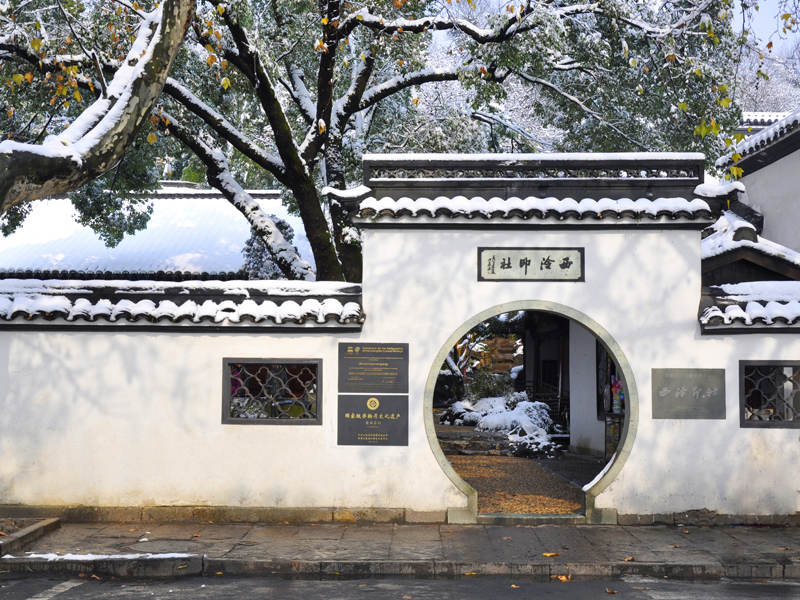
<point>527,424</point>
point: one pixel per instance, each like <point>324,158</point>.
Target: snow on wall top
<point>772,304</point>
<point>765,137</point>
<point>34,303</point>
<point>532,207</point>
<point>762,118</point>
<point>723,240</point>
<point>190,230</point>
<point>554,157</point>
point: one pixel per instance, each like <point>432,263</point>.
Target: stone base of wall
<point>219,514</point>
<point>707,517</point>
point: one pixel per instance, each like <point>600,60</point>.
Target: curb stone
<point>157,567</point>
<point>23,537</point>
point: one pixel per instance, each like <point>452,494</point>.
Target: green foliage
<point>116,203</point>
<point>489,385</point>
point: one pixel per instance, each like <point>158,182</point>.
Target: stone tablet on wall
<point>688,393</point>
<point>366,368</point>
<point>373,421</point>
<point>531,264</point>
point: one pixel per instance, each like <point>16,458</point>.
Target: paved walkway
<point>542,552</point>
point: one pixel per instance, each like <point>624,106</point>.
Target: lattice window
<point>770,393</point>
<point>272,391</point>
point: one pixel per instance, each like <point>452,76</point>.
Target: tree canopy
<point>291,93</point>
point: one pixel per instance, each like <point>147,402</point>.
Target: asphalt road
<point>394,588</point>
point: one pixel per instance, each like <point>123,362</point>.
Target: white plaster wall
<point>773,192</point>
<point>587,433</point>
<point>135,419</point>
<point>643,287</point>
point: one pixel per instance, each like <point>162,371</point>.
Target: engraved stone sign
<point>373,420</point>
<point>688,393</point>
<point>366,368</point>
<point>531,264</point>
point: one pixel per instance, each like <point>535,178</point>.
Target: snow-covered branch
<point>225,129</point>
<point>676,26</point>
<point>551,86</point>
<point>299,93</point>
<point>219,176</point>
<point>98,139</point>
<point>395,84</point>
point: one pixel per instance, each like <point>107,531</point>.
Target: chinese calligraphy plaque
<point>688,393</point>
<point>531,264</point>
<point>366,368</point>
<point>373,420</point>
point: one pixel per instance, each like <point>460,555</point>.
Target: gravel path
<point>507,484</point>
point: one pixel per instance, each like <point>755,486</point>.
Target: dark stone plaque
<point>688,393</point>
<point>373,420</point>
<point>366,368</point>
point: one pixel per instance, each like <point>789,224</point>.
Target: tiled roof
<point>199,304</point>
<point>556,209</point>
<point>192,234</point>
<point>763,139</point>
<point>731,232</point>
<point>751,307</point>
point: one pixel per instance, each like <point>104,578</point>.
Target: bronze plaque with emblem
<point>373,420</point>
<point>688,393</point>
<point>366,368</point>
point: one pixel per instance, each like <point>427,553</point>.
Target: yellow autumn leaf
<point>324,20</point>
<point>629,559</point>
<point>211,59</point>
<point>360,17</point>
<point>28,77</point>
<point>683,106</point>
<point>152,138</point>
<point>725,102</point>
<point>36,44</point>
<point>223,64</point>
<point>549,554</point>
<point>11,113</point>
<point>736,157</point>
<point>17,78</point>
<point>226,83</point>
<point>220,9</point>
<point>415,101</point>
<point>77,95</point>
<point>209,48</point>
<point>610,591</point>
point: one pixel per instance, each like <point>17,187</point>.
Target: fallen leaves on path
<point>549,554</point>
<point>610,591</point>
<point>562,578</point>
<point>629,559</point>
<point>675,546</point>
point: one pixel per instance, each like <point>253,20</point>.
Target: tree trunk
<point>98,139</point>
<point>345,237</point>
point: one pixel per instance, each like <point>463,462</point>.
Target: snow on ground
<point>526,423</point>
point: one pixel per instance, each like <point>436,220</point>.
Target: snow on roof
<point>191,231</point>
<point>533,208</point>
<point>29,302</point>
<point>762,118</point>
<point>554,157</point>
<point>727,237</point>
<point>753,306</point>
<point>718,190</point>
<point>762,139</point>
